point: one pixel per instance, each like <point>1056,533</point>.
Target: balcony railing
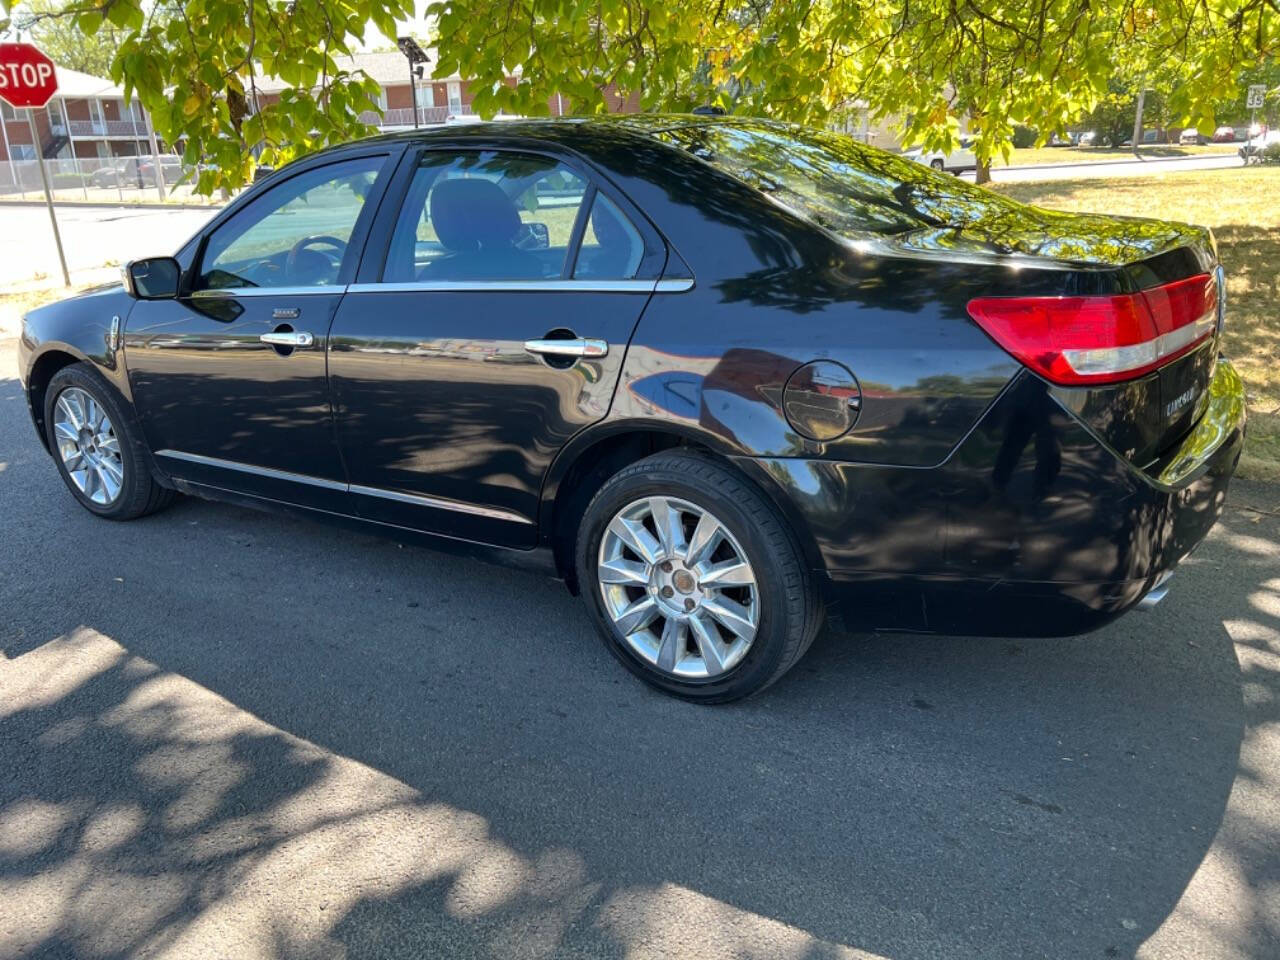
<point>108,128</point>
<point>403,116</point>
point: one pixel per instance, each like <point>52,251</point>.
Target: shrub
<point>1023,137</point>
<point>1271,153</point>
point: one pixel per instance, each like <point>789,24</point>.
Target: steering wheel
<point>317,239</point>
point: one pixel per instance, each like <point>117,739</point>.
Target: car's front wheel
<point>695,582</point>
<point>938,165</point>
<point>97,448</point>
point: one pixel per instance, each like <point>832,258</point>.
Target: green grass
<point>1242,206</point>
<point>1035,156</point>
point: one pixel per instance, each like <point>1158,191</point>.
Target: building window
<point>455,98</point>
<point>426,94</point>
<point>22,151</point>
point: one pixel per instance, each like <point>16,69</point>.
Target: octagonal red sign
<point>27,76</point>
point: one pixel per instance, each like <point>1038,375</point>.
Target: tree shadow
<point>234,734</point>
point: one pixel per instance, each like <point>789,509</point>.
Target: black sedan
<point>724,377</point>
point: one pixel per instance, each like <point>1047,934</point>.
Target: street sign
<point>28,79</point>
<point>1257,96</point>
<point>27,76</point>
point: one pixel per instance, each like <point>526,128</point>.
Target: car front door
<point>230,378</point>
<point>487,330</point>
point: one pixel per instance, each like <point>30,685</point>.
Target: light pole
<point>416,57</point>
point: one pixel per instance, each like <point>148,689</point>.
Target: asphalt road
<point>91,238</point>
<point>227,734</point>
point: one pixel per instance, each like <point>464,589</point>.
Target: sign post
<point>1257,98</point>
<point>28,79</point>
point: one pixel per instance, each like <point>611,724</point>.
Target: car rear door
<point>488,327</point>
<point>230,378</point>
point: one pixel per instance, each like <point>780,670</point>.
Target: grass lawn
<point>1040,155</point>
<point>1242,205</point>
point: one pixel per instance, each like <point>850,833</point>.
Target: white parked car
<point>1089,138</point>
<point>1190,137</point>
<point>962,158</point>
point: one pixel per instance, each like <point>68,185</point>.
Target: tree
<point>930,63</point>
<point>66,43</point>
<point>195,64</point>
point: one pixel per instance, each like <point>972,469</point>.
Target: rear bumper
<point>1032,527</point>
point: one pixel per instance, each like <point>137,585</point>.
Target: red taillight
<point>1084,340</point>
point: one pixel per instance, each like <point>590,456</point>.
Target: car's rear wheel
<point>696,584</point>
<point>937,165</point>
<point>97,447</point>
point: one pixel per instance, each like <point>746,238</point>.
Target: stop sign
<point>27,76</point>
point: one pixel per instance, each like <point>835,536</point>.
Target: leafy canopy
<point>195,65</point>
<point>999,63</point>
<point>933,64</point>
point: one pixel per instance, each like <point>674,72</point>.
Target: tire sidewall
<point>79,377</point>
<point>769,646</point>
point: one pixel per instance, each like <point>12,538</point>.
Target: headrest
<point>471,215</point>
<point>609,231</point>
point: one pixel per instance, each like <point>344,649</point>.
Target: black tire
<point>790,610</point>
<point>938,165</point>
<point>139,492</point>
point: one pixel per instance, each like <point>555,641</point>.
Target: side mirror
<point>155,278</point>
<point>533,236</point>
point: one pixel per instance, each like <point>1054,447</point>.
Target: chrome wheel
<point>678,587</point>
<point>88,446</point>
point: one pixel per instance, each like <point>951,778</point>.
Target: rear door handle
<point>292,338</point>
<point>580,347</point>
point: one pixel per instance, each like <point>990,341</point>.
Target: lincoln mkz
<point>724,377</point>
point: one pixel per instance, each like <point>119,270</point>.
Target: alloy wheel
<point>88,446</point>
<point>678,587</point>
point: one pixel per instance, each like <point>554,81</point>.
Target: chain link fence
<point>102,180</point>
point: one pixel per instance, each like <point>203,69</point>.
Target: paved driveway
<point>227,734</point>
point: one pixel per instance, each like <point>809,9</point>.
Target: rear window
<point>832,180</point>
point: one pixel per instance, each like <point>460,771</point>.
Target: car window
<point>611,246</point>
<point>489,215</point>
<point>834,181</point>
<point>295,234</point>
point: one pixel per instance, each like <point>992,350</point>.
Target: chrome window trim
<point>229,293</point>
<point>417,499</point>
<point>526,286</point>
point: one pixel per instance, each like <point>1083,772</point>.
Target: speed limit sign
<point>1257,94</point>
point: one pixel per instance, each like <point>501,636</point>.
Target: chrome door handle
<point>288,339</point>
<point>580,347</point>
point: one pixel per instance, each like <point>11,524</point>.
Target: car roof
<point>570,131</point>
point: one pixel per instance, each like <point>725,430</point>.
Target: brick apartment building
<point>87,119</point>
<point>438,100</point>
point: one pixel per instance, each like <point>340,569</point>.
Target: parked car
<point>1190,137</point>
<point>740,374</point>
<point>957,161</point>
<point>1062,140</point>
<point>171,169</point>
<point>1224,135</point>
<point>1088,139</point>
<point>1265,146</point>
<point>122,172</point>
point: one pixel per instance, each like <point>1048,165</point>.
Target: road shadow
<point>232,734</point>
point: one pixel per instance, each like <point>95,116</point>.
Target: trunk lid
<point>1086,255</point>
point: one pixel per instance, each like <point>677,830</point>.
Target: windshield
<point>832,180</point>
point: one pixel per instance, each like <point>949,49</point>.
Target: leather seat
<point>478,224</point>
